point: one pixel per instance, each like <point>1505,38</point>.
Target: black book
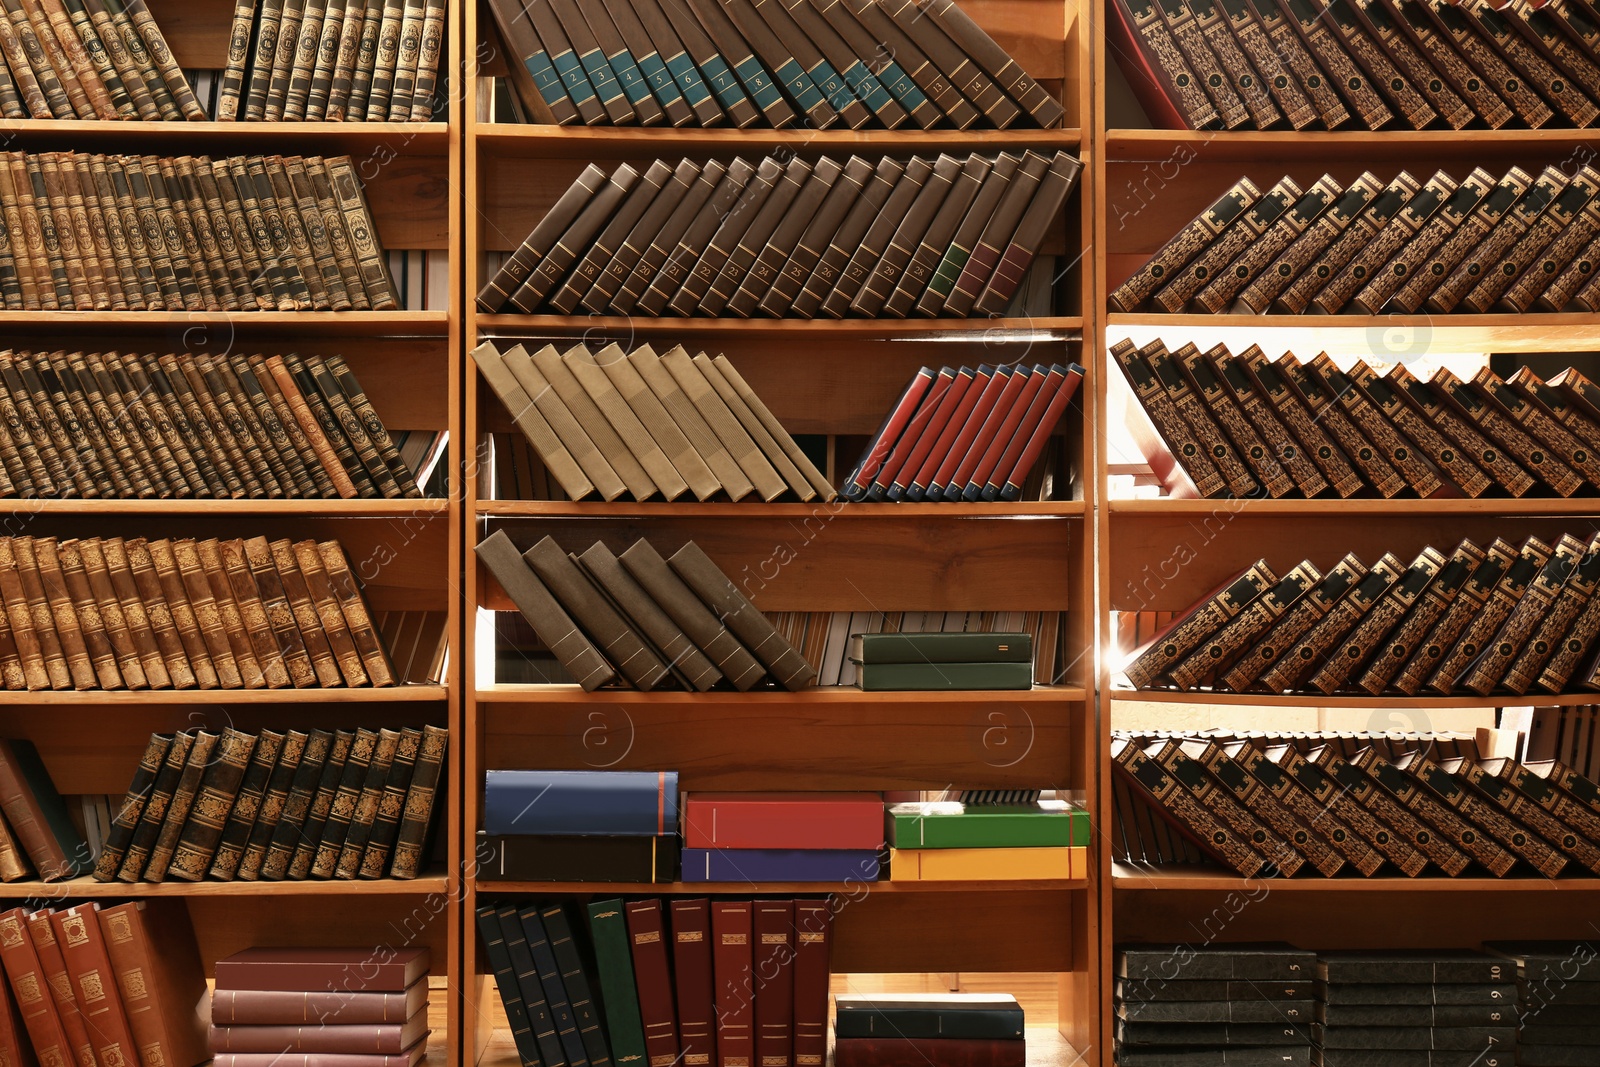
<point>1269,962</point>
<point>1392,993</point>
<point>1153,989</point>
<point>1294,1012</point>
<point>1398,1038</point>
<point>1416,1014</point>
<point>1541,961</point>
<point>1424,967</point>
<point>1227,1034</point>
<point>534,858</point>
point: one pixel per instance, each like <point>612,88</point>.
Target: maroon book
<point>264,1007</point>
<point>888,435</point>
<point>1012,471</point>
<point>783,820</point>
<point>773,923</point>
<point>938,420</point>
<point>921,1051</point>
<point>937,456</point>
<point>813,937</point>
<point>922,428</point>
<point>691,969</point>
<point>1011,416</point>
<point>735,982</point>
<point>960,444</point>
<point>653,976</point>
<point>347,970</point>
<point>409,1058</point>
<point>385,1039</point>
<point>1010,396</point>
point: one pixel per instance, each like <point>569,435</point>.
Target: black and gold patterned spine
<point>1492,248</point>
<point>1292,835</point>
<point>1312,651</point>
<point>1368,50</point>
<point>1202,620</point>
<point>1562,214</point>
<point>1365,641</point>
<point>1223,648</point>
<point>1562,268</point>
<point>1171,425</point>
<point>1545,793</point>
<point>1201,419</point>
<point>1387,243</point>
<point>1294,624</point>
<point>1297,417</point>
<point>1483,627</point>
<point>1421,802</point>
<point>1450,461</point>
<point>1354,237</point>
<point>1203,61</point>
<point>1308,76</point>
<point>1474,44</point>
<point>1541,424</point>
<point>1324,43</point>
<point>1484,814</point>
<point>1486,105</point>
<point>1396,449</point>
<point>1496,423</point>
<point>1451,860</point>
<point>1185,811</point>
<point>1248,443</point>
<point>1399,46</point>
<point>1523,53</point>
<point>1399,646</point>
<point>298,749</point>
<point>1333,795</point>
<point>1444,418</point>
<point>1218,294</point>
<point>1214,27</point>
<point>1188,243</point>
<point>1281,445</point>
<point>1457,617</point>
<point>1331,843</point>
<point>1558,624</point>
<point>1190,97</point>
<point>1236,238</point>
<point>1530,814</point>
<point>1428,275</point>
<point>1384,282</point>
<point>1193,777</point>
<point>1276,76</point>
<point>1516,633</point>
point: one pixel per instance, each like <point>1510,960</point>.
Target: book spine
<point>126,822</point>
<point>813,924</point>
<point>83,947</point>
<point>213,804</point>
<point>31,988</point>
<point>646,931</point>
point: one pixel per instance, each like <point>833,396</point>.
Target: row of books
<point>964,434</point>
<point>146,233</point>
<point>1406,64</point>
<point>805,63</point>
<point>641,620</point>
<point>102,984</point>
<point>1476,621</point>
<point>726,979</point>
<point>786,237</point>
<point>277,805</point>
<point>1271,811</point>
<point>1442,245</point>
<point>1245,426</point>
<point>1567,734</point>
<point>126,426</point>
<point>113,613</point>
<point>636,424</point>
<point>333,60</point>
<point>928,1030</point>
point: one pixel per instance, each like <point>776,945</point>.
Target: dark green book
<point>951,824</point>
<point>619,997</point>
<point>942,648</point>
<point>877,677</point>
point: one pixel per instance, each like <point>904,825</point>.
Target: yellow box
<point>984,864</point>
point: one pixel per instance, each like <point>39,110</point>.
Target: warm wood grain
<point>432,508</point>
<point>742,509</point>
<point>89,889</point>
<point>225,925</point>
<point>1318,700</point>
<point>207,329</point>
<point>606,329</point>
<point>1384,337</point>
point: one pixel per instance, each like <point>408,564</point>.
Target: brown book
<point>342,804</point>
<point>417,812</point>
<point>1265,806</point>
<point>725,240</point>
<point>1169,260</point>
<point>31,988</point>
<point>278,419</point>
<point>1309,435</point>
<point>241,613</point>
<point>1422,615</point>
<point>1497,424</point>
<point>1368,47</point>
<point>1040,216</point>
<point>60,606</point>
<point>352,104</point>
<point>347,863</point>
<point>115,847</point>
<point>356,617</point>
<point>1297,621</point>
<point>671,643</point>
<point>1523,51</point>
<point>385,823</point>
<point>1433,812</point>
<point>1384,282</point>
<point>1223,808</point>
<point>497,292</point>
<point>306,612</point>
<point>903,271</point>
<point>152,949</point>
<point>1312,652</point>
<point>1559,270</point>
<point>330,615</point>
<point>349,1038</point>
<point>1224,284</point>
<point>1342,798</point>
<point>1214,26</point>
<point>1299,801</point>
<point>1532,606</point>
<point>184,792</point>
<point>210,431</point>
<point>1179,438</point>
<point>1526,811</point>
<point>44,624</point>
<point>996,63</point>
<point>1483,100</point>
<point>307,749</point>
<point>53,968</point>
<point>179,561</point>
<point>604,245</point>
<point>708,400</point>
<point>1466,237</point>
<point>762,426</point>
<point>362,233</point>
<point>675,270</point>
<point>1491,613</point>
<point>741,257</point>
<point>140,591</point>
<point>1451,461</point>
<point>725,468</point>
<point>1487,252</point>
<point>1444,418</point>
<point>753,629</point>
<point>1369,638</point>
<point>613,634</point>
<point>245,805</point>
<point>559,449</point>
<point>962,70</point>
<point>283,59</point>
<point>1222,649</point>
<point>249,565</point>
<point>1540,423</point>
<point>305,422</point>
<point>154,812</point>
<point>1482,812</point>
<point>1395,235</point>
<point>692,616</point>
<point>1410,58</point>
<point>1559,626</point>
<point>1395,448</point>
<point>1186,398</point>
<point>685,459</point>
<point>17,58</point>
<point>1563,215</point>
<point>1536,787</point>
<point>314,969</point>
<point>889,39</point>
<point>351,426</point>
<point>83,947</point>
<point>201,834</point>
<point>850,69</point>
<point>233,1007</point>
<point>1192,818</point>
<point>1265,461</point>
<point>107,658</point>
<point>1352,238</point>
<point>19,619</point>
<point>1443,639</point>
<point>61,481</point>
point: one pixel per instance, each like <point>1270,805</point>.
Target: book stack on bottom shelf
<point>1558,1000</point>
<point>328,1007</point>
<point>936,841</point>
<point>1389,1009</point>
<point>1246,1004</point>
<point>928,1030</point>
<point>782,837</point>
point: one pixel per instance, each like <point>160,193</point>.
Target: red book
<point>961,443</point>
<point>783,820</point>
<point>163,983</point>
<point>409,1058</point>
<point>29,984</point>
<point>94,982</point>
<point>691,969</point>
<point>736,987</point>
<point>773,959</point>
<point>883,442</point>
<point>939,454</point>
<point>911,438</point>
<point>260,1007</point>
<point>972,455</point>
<point>1012,470</point>
<point>1148,82</point>
<point>15,1049</point>
<point>54,969</point>
<point>813,938</point>
<point>312,970</point>
<point>926,1051</point>
<point>653,976</point>
<point>1011,416</point>
<point>940,418</point>
<point>369,1038</point>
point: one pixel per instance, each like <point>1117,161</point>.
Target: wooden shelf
<point>551,509</point>
<point>489,885</point>
<point>822,694</point>
<point>87,888</point>
<point>407,694</point>
<point>431,508</point>
<point>1317,700</point>
<point>1324,508</point>
<point>1140,878</point>
<point>301,323</point>
<point>1251,146</point>
<point>624,142</point>
<point>310,137</point>
<point>621,327</point>
<point>1389,337</point>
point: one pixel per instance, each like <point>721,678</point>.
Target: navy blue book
<point>992,1016</point>
<point>627,803</point>
<point>779,865</point>
<point>505,979</point>
<point>540,1021</point>
<point>555,990</point>
<point>584,1009</point>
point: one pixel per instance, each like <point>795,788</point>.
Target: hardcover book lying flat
<point>950,824</point>
<point>992,1016</point>
<point>783,821</point>
<point>581,803</point>
<point>986,864</point>
<point>552,858</point>
<point>779,865</point>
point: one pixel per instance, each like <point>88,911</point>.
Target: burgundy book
<point>855,487</point>
<point>1012,470</point>
<point>938,419</point>
<point>347,970</point>
<point>919,432</point>
<point>409,1058</point>
<point>813,938</point>
<point>954,423</point>
<point>260,1007</point>
<point>950,456</point>
<point>773,924</point>
<point>691,970</point>
<point>369,1038</point>
<point>94,981</point>
<point>735,982</point>
<point>921,1051</point>
<point>1011,419</point>
<point>28,982</point>
<point>783,820</point>
<point>653,975</point>
<point>1010,396</point>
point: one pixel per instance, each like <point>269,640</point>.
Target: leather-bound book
<point>37,815</point>
<point>1483,813</point>
<point>1542,424</point>
<point>1169,260</point>
<point>1351,240</point>
<point>843,241</point>
<point>674,646</point>
<point>391,806</point>
<point>1365,415</point>
<point>658,30</point>
<point>94,982</point>
<point>1509,227</point>
<point>1152,661</point>
<point>255,648</point>
<point>1523,52</point>
<point>1340,798</point>
<point>1222,649</point>
<point>1307,657</point>
<point>1266,806</point>
<point>1451,461</point>
<point>321,764</point>
<point>54,970</point>
<point>297,748</point>
<point>733,947</point>
<point>1560,216</point>
<point>350,1038</point>
<point>525,972</point>
<point>712,586</point>
<point>1294,624</point>
<point>153,953</point>
<point>1413,61</point>
<point>1445,639</point>
<point>813,930</point>
<point>1538,788</point>
<point>176,815</point>
<point>847,66</point>
<point>572,588</point>
<point>574,979</point>
<point>1202,422</point>
<point>1181,442</point>
<point>1191,776</point>
<point>1321,819</point>
<point>1264,462</point>
<point>1424,612</point>
<point>1037,221</point>
<point>505,977</point>
<point>566,447</point>
<point>1242,77</point>
<point>647,934</point>
<point>1496,423</point>
<point>329,613</point>
<point>31,988</point>
<point>277,1007</point>
<point>1432,811</point>
<point>365,635</point>
<point>1225,283</point>
<point>646,54</point>
<point>1569,637</point>
<point>1534,604</point>
<point>610,240</point>
<point>803,217</point>
<point>704,627</point>
<point>213,803</point>
<point>316,969</point>
<point>178,563</point>
<point>103,657</point>
<point>1388,811</point>
<point>692,973</point>
<point>1412,255</point>
<point>1184,812</point>
<point>584,366</point>
<point>235,837</point>
<point>656,421</point>
<point>614,51</point>
<point>354,845</point>
<point>1525,811</point>
<point>773,955</point>
<point>1452,63</point>
<point>250,572</point>
<point>279,557</point>
<point>43,623</point>
<point>557,997</point>
<point>700,47</point>
<point>666,388</point>
<point>555,627</point>
<point>1395,236</point>
<point>130,862</point>
<point>1445,419</point>
<point>342,804</point>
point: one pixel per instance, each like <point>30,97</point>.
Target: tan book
<point>257,625</point>
<point>385,59</point>
<point>636,393</point>
<point>161,652</point>
<point>21,69</point>
<point>729,431</point>
<point>19,616</point>
<point>44,623</point>
<point>329,613</point>
<point>568,432</point>
<point>208,616</point>
<point>103,656</point>
<point>367,640</point>
<point>355,103</point>
<point>730,476</point>
<point>363,234</point>
<point>533,423</point>
<point>774,428</point>
<point>408,53</point>
<point>666,478</point>
<point>431,48</point>
<point>130,648</point>
<point>280,556</point>
<point>69,629</point>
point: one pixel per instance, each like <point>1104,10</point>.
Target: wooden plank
<point>225,925</point>
<point>953,932</point>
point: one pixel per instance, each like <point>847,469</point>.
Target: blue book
<point>565,803</point>
<point>780,865</point>
<point>555,990</point>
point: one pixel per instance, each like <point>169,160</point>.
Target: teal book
<point>942,648</point>
<point>951,824</point>
<point>619,1000</point>
<point>928,677</point>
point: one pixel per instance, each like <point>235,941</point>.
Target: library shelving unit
<point>1163,554</point>
<point>835,380</point>
<point>405,553</point>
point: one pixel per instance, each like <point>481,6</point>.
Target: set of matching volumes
<point>580,826</point>
<point>964,435</point>
<point>1387,1009</point>
<point>1245,426</point>
<point>103,986</point>
<point>936,841</point>
<point>637,424</point>
<point>829,638</point>
<point>124,426</point>
<point>1478,621</point>
<point>790,238</point>
<point>942,661</point>
<point>1515,243</point>
<point>709,982</point>
<point>113,613</point>
<point>321,1007</point>
<point>1264,809</point>
<point>639,620</point>
<point>1373,64</point>
<point>1183,1006</point>
<point>333,60</point>
<point>928,1030</point>
<point>149,233</point>
<point>799,63</point>
<point>89,59</point>
<point>1558,989</point>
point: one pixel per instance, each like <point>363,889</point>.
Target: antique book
<point>299,833</point>
<point>1180,807</point>
<point>1419,620</point>
<point>1205,425</point>
<point>1185,633</point>
<point>1444,418</point>
<point>1496,608</point>
<point>1184,247</point>
<point>1352,238</point>
<point>1222,649</point>
<point>1531,609</point>
<point>1498,424</point>
<point>294,775</point>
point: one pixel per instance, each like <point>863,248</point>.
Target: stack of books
<point>938,841</point>
<point>942,661</point>
<point>964,435</point>
<point>928,1030</point>
<point>295,1007</point>
<point>807,63</point>
<point>782,837</point>
<point>1377,1006</point>
<point>579,826</point>
<point>129,974</point>
<point>642,620</point>
<point>1447,244</point>
<point>1178,1005</point>
<point>788,237</point>
<point>1558,990</point>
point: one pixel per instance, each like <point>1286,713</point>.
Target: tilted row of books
<point>333,60</point>
<point>114,613</point>
<point>1268,810</point>
<point>637,424</point>
<point>1480,620</point>
<point>810,63</point>
<point>89,59</point>
<point>1477,244</point>
<point>1248,427</point>
<point>1395,64</point>
<point>147,233</point>
<point>123,426</point>
<point>787,237</point>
